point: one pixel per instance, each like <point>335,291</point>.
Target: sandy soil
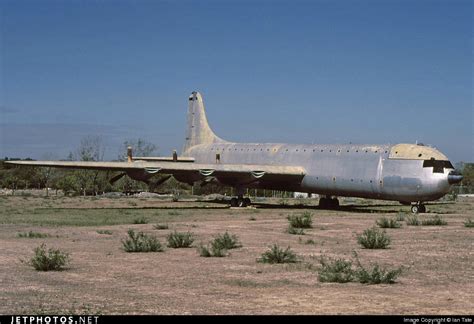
<point>104,279</point>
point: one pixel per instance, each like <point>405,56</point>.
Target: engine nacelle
<point>139,175</point>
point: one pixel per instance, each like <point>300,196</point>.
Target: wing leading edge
<point>187,172</point>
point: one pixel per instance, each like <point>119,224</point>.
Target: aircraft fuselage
<point>366,171</point>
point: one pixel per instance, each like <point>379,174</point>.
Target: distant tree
<point>468,174</point>
<point>91,148</point>
<point>140,147</point>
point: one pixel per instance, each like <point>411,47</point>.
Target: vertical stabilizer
<point>198,130</point>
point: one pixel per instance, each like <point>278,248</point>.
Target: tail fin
<point>198,130</point>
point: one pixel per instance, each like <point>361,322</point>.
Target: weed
<point>226,242</point>
<point>335,270</point>
<point>388,223</point>
<point>373,238</point>
<point>32,234</point>
<point>295,231</point>
<point>106,232</point>
<point>342,271</point>
<point>161,226</point>
<point>213,251</point>
<point>310,241</point>
<point>141,242</point>
<point>412,221</point>
<point>204,251</point>
<point>140,220</point>
<point>304,220</point>
<point>174,213</point>
<point>252,218</point>
<point>469,223</point>
<point>218,252</point>
<point>400,217</point>
<point>51,260</point>
<point>376,275</point>
<point>180,240</point>
<point>278,255</point>
<point>435,221</point>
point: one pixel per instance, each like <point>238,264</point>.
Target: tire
<point>415,209</point>
<point>323,203</point>
<point>247,202</point>
<point>422,209</point>
<point>240,202</point>
<point>233,202</point>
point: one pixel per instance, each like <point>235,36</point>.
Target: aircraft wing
<point>237,173</point>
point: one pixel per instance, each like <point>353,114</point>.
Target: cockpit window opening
<point>438,165</point>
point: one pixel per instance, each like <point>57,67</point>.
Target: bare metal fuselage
<point>366,171</point>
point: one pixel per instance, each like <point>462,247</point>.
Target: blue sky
<point>270,71</point>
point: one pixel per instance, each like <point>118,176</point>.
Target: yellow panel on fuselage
<point>415,152</point>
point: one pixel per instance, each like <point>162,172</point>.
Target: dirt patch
<point>104,279</point>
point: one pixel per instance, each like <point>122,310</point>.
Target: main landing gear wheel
<point>328,203</point>
<point>240,202</point>
<point>418,208</point>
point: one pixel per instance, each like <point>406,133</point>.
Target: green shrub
<point>373,238</point>
<point>295,231</point>
<point>342,271</point>
<point>388,223</point>
<point>180,240</point>
<point>213,251</point>
<point>376,275</point>
<point>400,217</point>
<point>226,242</point>
<point>469,223</point>
<point>435,221</point>
<point>218,252</point>
<point>161,226</point>
<point>51,260</point>
<point>335,270</point>
<point>278,255</point>
<point>412,221</point>
<point>140,220</point>
<point>32,234</point>
<point>107,232</point>
<point>141,242</point>
<point>219,246</point>
<point>204,251</point>
<point>305,220</point>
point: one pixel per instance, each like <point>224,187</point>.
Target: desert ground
<point>101,278</point>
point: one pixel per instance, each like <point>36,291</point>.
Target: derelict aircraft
<point>408,173</point>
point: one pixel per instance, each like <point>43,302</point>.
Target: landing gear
<point>418,208</point>
<point>240,202</point>
<point>328,203</point>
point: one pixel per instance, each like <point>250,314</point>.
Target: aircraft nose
<point>454,177</point>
